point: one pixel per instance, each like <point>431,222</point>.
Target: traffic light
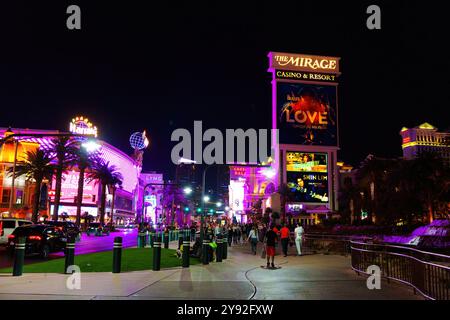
<point>199,210</point>
<point>186,209</point>
<point>211,211</point>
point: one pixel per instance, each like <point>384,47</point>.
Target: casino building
<point>425,137</point>
<point>18,199</point>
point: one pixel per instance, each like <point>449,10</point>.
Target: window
<point>9,224</point>
<point>24,223</point>
<point>6,195</point>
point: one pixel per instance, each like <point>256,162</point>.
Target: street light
<point>218,204</point>
<point>187,190</point>
<point>205,199</point>
<point>91,146</point>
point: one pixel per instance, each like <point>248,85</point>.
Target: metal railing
<point>329,243</point>
<point>428,273</point>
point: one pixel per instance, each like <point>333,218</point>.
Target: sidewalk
<point>238,277</point>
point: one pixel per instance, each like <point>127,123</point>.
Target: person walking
<point>193,232</point>
<point>270,240</point>
<point>298,232</point>
<point>285,236</point>
<point>229,235</point>
<point>238,235</point>
<point>253,239</point>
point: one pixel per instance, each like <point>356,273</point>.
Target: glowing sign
<point>72,210</point>
<point>237,193</point>
<point>80,125</point>
<point>302,62</point>
<point>306,162</point>
<point>69,189</point>
<point>307,113</point>
<point>307,176</point>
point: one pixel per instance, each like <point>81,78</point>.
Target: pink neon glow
<point>69,188</point>
<point>129,170</point>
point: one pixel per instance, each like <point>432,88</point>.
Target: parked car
<point>69,228</point>
<point>98,229</point>
<point>7,226</point>
<point>40,239</point>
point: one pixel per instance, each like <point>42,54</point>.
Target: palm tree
<point>65,149</point>
<point>84,161</point>
<point>106,175</point>
<point>116,182</point>
<point>37,166</point>
<point>432,180</point>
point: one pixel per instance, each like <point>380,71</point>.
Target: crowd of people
<point>271,237</point>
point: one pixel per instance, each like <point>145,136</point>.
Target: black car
<point>69,228</point>
<point>40,239</point>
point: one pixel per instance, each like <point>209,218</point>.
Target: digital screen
<point>306,162</point>
<point>307,176</point>
<point>307,114</point>
<point>69,188</point>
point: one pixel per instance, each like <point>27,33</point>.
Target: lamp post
<point>202,217</point>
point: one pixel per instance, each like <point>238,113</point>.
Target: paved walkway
<point>238,277</point>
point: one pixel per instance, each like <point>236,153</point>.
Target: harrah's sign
<point>301,62</point>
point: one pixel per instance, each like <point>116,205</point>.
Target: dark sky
<point>160,67</point>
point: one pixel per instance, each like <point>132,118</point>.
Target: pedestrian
<point>253,239</point>
<point>284,236</point>
<point>270,240</point>
<point>298,232</point>
<point>193,231</point>
<point>229,235</point>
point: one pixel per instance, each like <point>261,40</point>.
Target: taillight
<point>11,237</point>
<point>38,238</point>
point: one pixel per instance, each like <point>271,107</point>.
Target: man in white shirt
<point>298,238</point>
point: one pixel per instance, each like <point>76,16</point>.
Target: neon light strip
<point>428,144</point>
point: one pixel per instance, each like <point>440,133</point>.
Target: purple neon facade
<point>126,196</point>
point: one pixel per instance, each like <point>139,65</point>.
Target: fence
<point>428,273</point>
<point>329,244</point>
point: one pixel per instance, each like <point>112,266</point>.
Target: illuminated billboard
<point>306,162</point>
<point>307,177</point>
<point>307,113</point>
<point>69,189</point>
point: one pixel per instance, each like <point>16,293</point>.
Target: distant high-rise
<point>425,138</point>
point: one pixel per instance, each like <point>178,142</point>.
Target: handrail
<point>402,255</point>
<point>432,280</point>
<point>404,248</point>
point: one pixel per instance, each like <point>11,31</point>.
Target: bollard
<point>225,247</point>
<point>186,249</point>
<point>19,255</point>
<point>69,253</point>
<point>219,248</point>
<point>157,254</point>
<point>166,240</point>
<point>117,254</point>
<point>205,248</point>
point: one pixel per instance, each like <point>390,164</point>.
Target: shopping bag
<point>263,253</point>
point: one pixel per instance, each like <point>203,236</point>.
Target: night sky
<point>160,67</point>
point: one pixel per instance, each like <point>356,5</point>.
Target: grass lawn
<point>133,259</point>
